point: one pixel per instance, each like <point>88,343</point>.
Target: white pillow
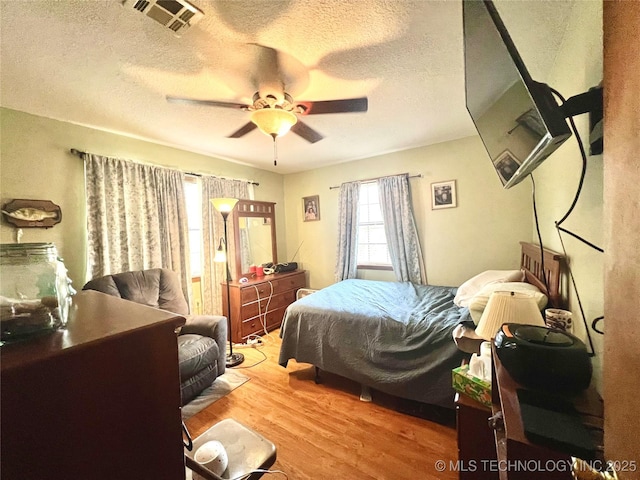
<point>479,301</point>
<point>468,289</point>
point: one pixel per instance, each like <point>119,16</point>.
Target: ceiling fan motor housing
<point>270,101</point>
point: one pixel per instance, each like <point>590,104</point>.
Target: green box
<point>471,386</point>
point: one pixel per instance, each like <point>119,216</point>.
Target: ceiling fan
<point>273,110</point>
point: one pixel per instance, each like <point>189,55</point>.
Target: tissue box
<point>471,386</point>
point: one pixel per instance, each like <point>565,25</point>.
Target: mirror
<point>254,235</point>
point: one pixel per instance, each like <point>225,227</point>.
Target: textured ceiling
<point>103,65</point>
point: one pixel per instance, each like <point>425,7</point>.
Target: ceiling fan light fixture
<point>274,122</point>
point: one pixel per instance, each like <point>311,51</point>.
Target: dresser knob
<point>496,422</point>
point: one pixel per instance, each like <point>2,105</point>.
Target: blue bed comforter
<point>395,337</point>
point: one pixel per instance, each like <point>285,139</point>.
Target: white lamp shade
<point>274,121</point>
<point>224,205</point>
<point>220,256</point>
<point>508,307</point>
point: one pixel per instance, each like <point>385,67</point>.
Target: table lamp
<point>508,307</point>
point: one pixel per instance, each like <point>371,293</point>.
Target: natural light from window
<point>194,220</point>
<point>372,241</point>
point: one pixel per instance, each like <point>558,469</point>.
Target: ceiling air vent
<point>176,15</point>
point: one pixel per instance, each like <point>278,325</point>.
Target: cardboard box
<point>471,386</point>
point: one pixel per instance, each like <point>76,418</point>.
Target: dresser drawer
<point>277,301</point>
<point>274,319</point>
<point>247,313</point>
<point>250,293</point>
<point>293,282</point>
<point>254,325</point>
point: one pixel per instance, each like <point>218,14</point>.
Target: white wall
<point>578,67</point>
<point>481,233</point>
<point>36,164</point>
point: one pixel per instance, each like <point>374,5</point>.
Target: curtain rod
<point>417,175</point>
<point>223,178</point>
<point>80,154</point>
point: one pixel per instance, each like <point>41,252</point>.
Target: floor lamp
<point>225,206</point>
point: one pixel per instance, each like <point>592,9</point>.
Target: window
<point>194,220</point>
<point>372,241</point>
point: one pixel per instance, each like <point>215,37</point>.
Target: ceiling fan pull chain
<point>275,151</point>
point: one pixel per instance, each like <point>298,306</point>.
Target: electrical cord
<point>264,357</point>
<point>595,323</point>
<point>263,322</point>
<point>266,310</point>
<point>583,154</point>
<point>260,470</point>
<point>535,216</point>
<point>544,276</point>
<point>592,353</point>
<point>263,318</point>
<point>559,229</point>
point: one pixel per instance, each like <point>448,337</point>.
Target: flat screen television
<point>517,119</point>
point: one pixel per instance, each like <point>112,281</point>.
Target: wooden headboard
<point>531,263</point>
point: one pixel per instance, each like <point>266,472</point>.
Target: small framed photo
<point>506,165</point>
<point>443,195</point>
<point>311,208</point>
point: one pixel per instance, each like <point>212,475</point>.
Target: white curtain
<point>136,218</point>
<point>347,259</point>
<point>400,229</point>
<point>213,274</point>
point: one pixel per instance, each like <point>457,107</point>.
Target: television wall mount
<point>588,102</point>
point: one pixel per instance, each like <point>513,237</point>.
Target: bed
<point>395,337</point>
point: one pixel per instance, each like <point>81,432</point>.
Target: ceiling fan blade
<point>242,131</point>
<point>208,103</point>
<point>306,132</point>
<point>334,106</point>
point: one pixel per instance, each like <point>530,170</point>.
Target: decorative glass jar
<point>35,292</point>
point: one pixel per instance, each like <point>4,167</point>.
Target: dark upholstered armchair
<point>201,341</point>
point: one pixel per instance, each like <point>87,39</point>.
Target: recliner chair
<point>201,341</point>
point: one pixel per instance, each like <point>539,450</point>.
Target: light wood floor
<point>324,431</point>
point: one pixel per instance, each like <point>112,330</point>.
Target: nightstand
<point>513,447</point>
<point>476,443</point>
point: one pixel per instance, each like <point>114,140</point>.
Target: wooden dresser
<point>274,292</point>
<point>99,400</point>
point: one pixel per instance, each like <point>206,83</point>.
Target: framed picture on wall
<point>443,195</point>
<point>506,165</point>
<point>311,208</point>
